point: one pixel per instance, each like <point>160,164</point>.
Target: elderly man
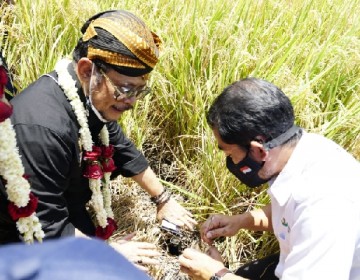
<point>69,139</point>
<point>314,190</point>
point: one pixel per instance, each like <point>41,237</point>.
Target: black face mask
<point>247,169</point>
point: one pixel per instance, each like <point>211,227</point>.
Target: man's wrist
<point>162,198</point>
<point>220,274</point>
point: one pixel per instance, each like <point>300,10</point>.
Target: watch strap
<point>222,272</point>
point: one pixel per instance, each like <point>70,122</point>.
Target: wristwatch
<point>218,275</point>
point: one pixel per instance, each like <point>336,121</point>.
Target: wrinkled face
<point>103,91</point>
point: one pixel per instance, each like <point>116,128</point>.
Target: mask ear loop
<point>89,98</point>
<point>282,138</point>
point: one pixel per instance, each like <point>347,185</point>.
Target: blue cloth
<point>68,258</point>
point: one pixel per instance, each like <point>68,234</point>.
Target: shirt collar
<point>282,187</point>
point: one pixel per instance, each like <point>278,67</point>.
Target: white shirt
<point>316,212</point>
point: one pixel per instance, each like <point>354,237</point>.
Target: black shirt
<point>47,134</point>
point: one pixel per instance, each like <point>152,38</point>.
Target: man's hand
<point>176,214</point>
<point>199,266</point>
<point>217,226</point>
<point>141,254</point>
<point>170,210</point>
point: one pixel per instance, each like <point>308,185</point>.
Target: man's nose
<point>129,100</point>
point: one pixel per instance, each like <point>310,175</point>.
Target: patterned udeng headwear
<point>123,40</point>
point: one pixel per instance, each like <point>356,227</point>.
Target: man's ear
<point>84,69</point>
<point>258,152</point>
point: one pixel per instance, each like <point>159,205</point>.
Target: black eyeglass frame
<point>127,91</point>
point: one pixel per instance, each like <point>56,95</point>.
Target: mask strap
<point>97,113</point>
<point>282,138</point>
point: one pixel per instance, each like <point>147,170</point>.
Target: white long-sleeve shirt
<point>316,212</point>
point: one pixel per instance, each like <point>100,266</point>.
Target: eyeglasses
<point>129,92</point>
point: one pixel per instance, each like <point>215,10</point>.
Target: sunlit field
<point>309,48</point>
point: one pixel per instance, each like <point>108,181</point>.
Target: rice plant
<point>309,48</point>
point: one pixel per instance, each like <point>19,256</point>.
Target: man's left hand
<point>198,265</point>
<point>173,212</point>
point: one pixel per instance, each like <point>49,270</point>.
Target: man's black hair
<point>249,108</point>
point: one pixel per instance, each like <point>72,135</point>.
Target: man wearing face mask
<point>308,176</point>
<point>70,142</point>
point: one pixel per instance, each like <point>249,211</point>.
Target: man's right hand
<point>218,225</point>
<point>141,254</point>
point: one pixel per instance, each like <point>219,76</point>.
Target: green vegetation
<point>309,48</point>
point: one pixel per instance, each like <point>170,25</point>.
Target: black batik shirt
<point>48,138</point>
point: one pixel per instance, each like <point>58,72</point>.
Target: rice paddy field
<point>309,48</point>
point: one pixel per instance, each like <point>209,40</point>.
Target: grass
<point>309,48</point>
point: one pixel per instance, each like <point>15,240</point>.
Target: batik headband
<point>143,43</point>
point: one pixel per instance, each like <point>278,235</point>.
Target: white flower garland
<point>101,197</point>
<point>104,137</point>
<point>17,187</point>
